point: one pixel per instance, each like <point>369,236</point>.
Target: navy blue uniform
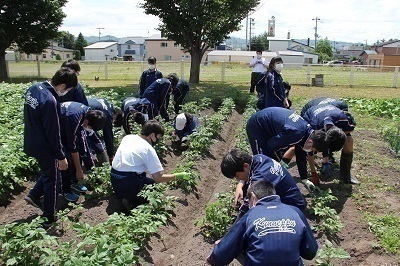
<point>147,78</point>
<point>274,90</point>
<point>324,100</point>
<point>320,116</point>
<point>260,89</point>
<point>75,95</point>
<point>272,130</point>
<point>180,92</point>
<point>103,105</point>
<point>74,138</point>
<point>264,168</point>
<point>270,233</point>
<point>190,126</point>
<point>158,94</point>
<point>42,141</point>
<point>139,105</point>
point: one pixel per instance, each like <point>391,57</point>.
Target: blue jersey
<point>180,91</point>
<point>103,105</point>
<point>41,120</point>
<point>157,93</point>
<point>320,116</point>
<point>190,126</point>
<point>274,90</point>
<point>75,95</point>
<point>273,129</point>
<point>324,100</point>
<point>264,168</point>
<point>71,120</point>
<point>147,78</point>
<point>270,233</point>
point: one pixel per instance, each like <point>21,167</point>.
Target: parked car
<point>334,63</point>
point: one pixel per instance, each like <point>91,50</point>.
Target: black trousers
<point>255,77</point>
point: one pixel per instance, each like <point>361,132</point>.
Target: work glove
<point>326,169</point>
<point>309,185</point>
<point>182,176</point>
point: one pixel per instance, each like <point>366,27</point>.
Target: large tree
<point>324,50</point>
<point>80,42</point>
<point>29,24</point>
<point>66,39</point>
<point>198,24</point>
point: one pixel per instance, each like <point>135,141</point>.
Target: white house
<point>101,51</point>
<point>236,56</point>
<point>132,48</point>
<point>279,45</point>
<point>10,56</point>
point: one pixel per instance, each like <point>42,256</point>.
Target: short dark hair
<point>139,118</point>
<point>273,61</point>
<point>259,51</point>
<point>261,189</point>
<point>173,78</point>
<point>234,161</point>
<point>152,126</point>
<point>320,140</point>
<point>119,117</point>
<point>336,138</point>
<point>96,119</point>
<point>65,76</point>
<point>72,64</point>
<point>151,60</point>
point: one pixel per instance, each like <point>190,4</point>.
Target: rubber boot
<point>346,160</point>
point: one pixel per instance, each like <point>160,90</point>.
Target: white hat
<point>180,121</point>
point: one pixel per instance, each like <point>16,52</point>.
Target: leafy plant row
<point>15,165</point>
<point>200,142</point>
<point>114,242</point>
<point>378,107</point>
<point>220,214</point>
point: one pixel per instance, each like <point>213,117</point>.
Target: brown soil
<point>180,243</point>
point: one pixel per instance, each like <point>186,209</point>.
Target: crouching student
<point>133,158</point>
<point>184,125</point>
<point>76,122</point>
<point>247,169</point>
<point>270,233</point>
<point>130,107</point>
<point>111,115</point>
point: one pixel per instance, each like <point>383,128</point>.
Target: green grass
<point>123,73</point>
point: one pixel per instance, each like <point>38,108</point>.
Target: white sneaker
<point>309,185</point>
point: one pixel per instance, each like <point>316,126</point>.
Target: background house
<point>49,53</point>
<point>101,51</point>
<point>236,56</point>
<point>132,48</point>
<point>280,45</point>
<point>164,49</point>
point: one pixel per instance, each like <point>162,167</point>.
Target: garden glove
<point>326,169</point>
<point>182,176</point>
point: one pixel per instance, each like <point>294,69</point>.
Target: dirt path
<point>181,244</point>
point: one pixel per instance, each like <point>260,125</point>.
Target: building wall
<point>138,56</point>
<point>275,46</point>
<point>375,60</point>
<point>100,54</point>
<point>391,60</point>
<point>165,50</point>
<point>391,50</point>
<point>46,55</point>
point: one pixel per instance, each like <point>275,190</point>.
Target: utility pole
<point>251,24</point>
<point>316,31</point>
<point>247,26</point>
<point>100,32</point>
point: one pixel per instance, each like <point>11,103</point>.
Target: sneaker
<point>79,188</point>
<point>34,201</point>
<point>71,197</point>
<point>309,185</point>
<point>127,205</point>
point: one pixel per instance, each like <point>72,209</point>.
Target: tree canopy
<point>198,25</point>
<point>324,50</point>
<point>80,42</point>
<point>29,24</point>
<point>260,42</point>
<point>66,39</point>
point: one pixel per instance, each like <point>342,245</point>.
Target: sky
<point>362,21</point>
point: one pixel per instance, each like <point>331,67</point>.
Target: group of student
<point>62,132</point>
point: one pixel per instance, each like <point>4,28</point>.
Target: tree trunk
<point>196,56</point>
<point>3,68</point>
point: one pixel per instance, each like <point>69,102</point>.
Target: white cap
<point>180,121</point>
